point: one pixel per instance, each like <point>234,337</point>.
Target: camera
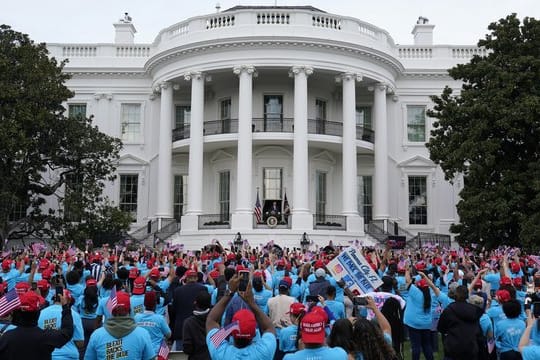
<point>360,300</point>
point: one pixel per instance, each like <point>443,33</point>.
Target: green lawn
<point>407,351</point>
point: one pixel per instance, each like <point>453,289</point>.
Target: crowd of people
<point>267,302</point>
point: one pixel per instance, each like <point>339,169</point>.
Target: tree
<point>490,134</point>
<point>42,151</point>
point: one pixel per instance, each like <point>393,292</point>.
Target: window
<point>73,197</point>
<point>129,190</point>
<point>224,195</point>
<point>76,110</point>
<point>182,116</point>
<point>272,180</point>
<point>320,115</point>
<point>225,115</point>
<point>365,198</point>
<point>320,196</point>
<point>131,122</point>
<point>18,211</point>
<point>363,117</point>
<point>417,200</point>
<point>416,123</point>
<point>180,196</point>
<point>273,113</point>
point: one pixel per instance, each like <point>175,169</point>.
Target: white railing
<point>468,52</point>
<point>79,51</point>
<point>132,51</point>
<point>366,30</point>
<point>220,21</point>
<point>415,53</point>
<point>273,18</point>
<point>328,22</point>
<point>181,29</point>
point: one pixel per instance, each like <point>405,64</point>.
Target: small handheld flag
<point>112,301</point>
<point>223,333</point>
<point>9,301</point>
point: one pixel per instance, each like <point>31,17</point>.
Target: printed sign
<point>396,242</point>
<point>351,267</point>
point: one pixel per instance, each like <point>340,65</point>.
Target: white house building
<point>226,111</point>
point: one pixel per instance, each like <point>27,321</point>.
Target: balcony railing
<point>226,126</point>
<point>325,127</point>
<point>214,221</point>
<point>365,134</point>
<point>329,222</point>
<point>180,133</point>
<point>273,124</point>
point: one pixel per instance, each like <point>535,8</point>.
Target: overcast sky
<point>457,21</point>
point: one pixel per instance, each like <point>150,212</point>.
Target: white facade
<point>275,98</point>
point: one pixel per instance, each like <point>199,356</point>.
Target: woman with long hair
<point>342,335</point>
<point>87,309</point>
<point>418,316</point>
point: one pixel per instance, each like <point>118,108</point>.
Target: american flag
<point>536,259</point>
<point>9,302</point>
<point>286,208</point>
<point>112,301</point>
<point>222,333</point>
<point>163,353</point>
<point>258,209</point>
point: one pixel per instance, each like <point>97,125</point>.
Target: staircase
<point>150,233</point>
<point>376,230</point>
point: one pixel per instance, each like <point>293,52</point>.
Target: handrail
<point>273,124</point>
<point>329,222</point>
<point>224,126</point>
<point>325,127</point>
<point>214,221</point>
<point>365,134</point>
<point>181,133</point>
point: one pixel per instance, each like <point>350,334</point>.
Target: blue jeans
<point>421,341</point>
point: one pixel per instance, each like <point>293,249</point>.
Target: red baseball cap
<point>312,328</point>
<point>422,283</point>
<point>297,309</point>
<point>515,267</point>
<point>505,280</point>
<point>420,266</point>
<point>3,287</point>
<point>123,305</point>
<point>22,288</point>
<point>517,282</point>
<point>139,285</point>
<point>29,301</point>
<point>6,264</point>
<point>231,256</point>
<point>43,284</point>
<point>190,273</point>
<point>43,264</point>
<point>246,323</point>
<point>91,282</point>
<point>478,284</point>
<point>154,273</point>
<point>318,264</point>
<point>214,274</point>
<point>133,273</point>
<point>503,296</point>
<point>46,274</point>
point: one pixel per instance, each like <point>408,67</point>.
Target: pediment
<point>417,161</point>
<point>130,159</point>
<point>221,155</point>
<point>325,156</point>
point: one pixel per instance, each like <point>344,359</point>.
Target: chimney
<point>124,30</point>
<point>423,32</point>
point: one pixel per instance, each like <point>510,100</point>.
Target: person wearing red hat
<point>279,305</point>
<point>9,274</point>
<point>312,334</point>
<point>288,336</point>
<point>154,323</point>
<point>50,318</point>
<point>120,337</point>
<point>137,295</point>
<point>27,340</point>
<point>243,330</point>
<point>182,304</point>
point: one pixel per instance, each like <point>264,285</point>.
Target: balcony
<point>365,134</point>
<point>180,133</point>
<point>225,126</point>
<point>325,127</point>
<point>214,221</point>
<point>329,222</point>
<point>274,124</point>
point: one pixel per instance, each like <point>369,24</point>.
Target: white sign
<point>351,267</point>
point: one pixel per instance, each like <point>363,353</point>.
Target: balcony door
<point>273,113</point>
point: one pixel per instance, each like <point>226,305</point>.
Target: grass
<point>436,355</point>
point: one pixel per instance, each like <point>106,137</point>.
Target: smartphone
<point>34,285</point>
<point>244,280</point>
<point>312,298</point>
<point>203,268</point>
<point>360,300</point>
<point>536,309</point>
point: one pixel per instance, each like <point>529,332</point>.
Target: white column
<point>196,149</point>
<point>301,216</point>
<point>380,180</point>
<point>164,181</point>
<point>242,218</point>
<point>349,161</point>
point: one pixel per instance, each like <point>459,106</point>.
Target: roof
<point>243,7</point>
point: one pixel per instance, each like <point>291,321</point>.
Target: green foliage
<point>40,148</point>
<point>490,134</point>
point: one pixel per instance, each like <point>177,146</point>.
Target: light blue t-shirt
<point>134,346</point>
<point>83,312</point>
<point>337,308</point>
<point>10,278</point>
<point>531,352</point>
<point>322,353</point>
<point>415,316</point>
<point>485,324</point>
<point>155,325</point>
<point>137,304</point>
<point>51,318</point>
<point>261,299</point>
<point>507,334</point>
<point>287,338</point>
<point>76,290</point>
<point>262,348</point>
<point>493,279</point>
